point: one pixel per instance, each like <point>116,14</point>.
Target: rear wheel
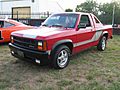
<point>102,44</point>
<point>61,57</point>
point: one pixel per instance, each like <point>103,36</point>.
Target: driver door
<point>86,33</point>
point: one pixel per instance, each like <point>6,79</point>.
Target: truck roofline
<point>71,13</point>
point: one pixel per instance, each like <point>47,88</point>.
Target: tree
<point>106,12</point>
<point>68,10</point>
<point>103,11</point>
<point>90,6</point>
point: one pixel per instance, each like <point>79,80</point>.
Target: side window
<point>1,24</point>
<point>96,20</point>
<point>85,20</point>
<point>1,35</point>
<point>7,24</point>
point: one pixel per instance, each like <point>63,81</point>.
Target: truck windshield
<point>61,20</point>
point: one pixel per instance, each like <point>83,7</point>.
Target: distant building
<point>28,8</point>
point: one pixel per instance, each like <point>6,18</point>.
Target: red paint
<point>76,35</point>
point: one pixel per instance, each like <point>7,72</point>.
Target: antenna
<point>113,16</point>
<point>60,6</point>
<point>6,17</point>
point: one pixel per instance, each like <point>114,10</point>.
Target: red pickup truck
<point>59,37</point>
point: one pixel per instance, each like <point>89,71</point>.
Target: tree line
<point>103,11</point>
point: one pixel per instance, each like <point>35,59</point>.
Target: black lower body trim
<point>1,38</point>
<point>31,55</point>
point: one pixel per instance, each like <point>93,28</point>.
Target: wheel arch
<point>66,42</point>
<point>105,33</point>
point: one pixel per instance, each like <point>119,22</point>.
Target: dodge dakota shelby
<point>60,36</point>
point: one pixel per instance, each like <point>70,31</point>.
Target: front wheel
<point>61,57</point>
<point>102,44</point>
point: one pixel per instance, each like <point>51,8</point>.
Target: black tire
<point>102,44</point>
<point>60,57</point>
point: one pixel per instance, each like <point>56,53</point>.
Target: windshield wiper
<point>57,25</point>
<point>44,25</point>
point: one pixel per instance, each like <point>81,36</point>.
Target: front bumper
<point>31,55</point>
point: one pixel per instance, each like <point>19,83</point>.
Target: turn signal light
<point>40,47</point>
<point>44,45</point>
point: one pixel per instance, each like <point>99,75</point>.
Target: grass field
<point>88,70</point>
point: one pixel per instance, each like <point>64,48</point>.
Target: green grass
<point>88,70</point>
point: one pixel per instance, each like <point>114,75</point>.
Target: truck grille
<point>25,42</point>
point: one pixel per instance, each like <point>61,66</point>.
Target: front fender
<point>61,42</point>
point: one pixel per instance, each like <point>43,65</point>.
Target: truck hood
<point>42,32</point>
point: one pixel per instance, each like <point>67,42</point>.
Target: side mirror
<point>82,25</point>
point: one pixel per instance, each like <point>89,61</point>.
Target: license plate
<point>20,53</point>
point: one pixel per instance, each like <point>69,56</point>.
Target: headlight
<point>12,39</point>
<point>42,45</point>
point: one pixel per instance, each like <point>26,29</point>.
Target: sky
<point>73,3</point>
